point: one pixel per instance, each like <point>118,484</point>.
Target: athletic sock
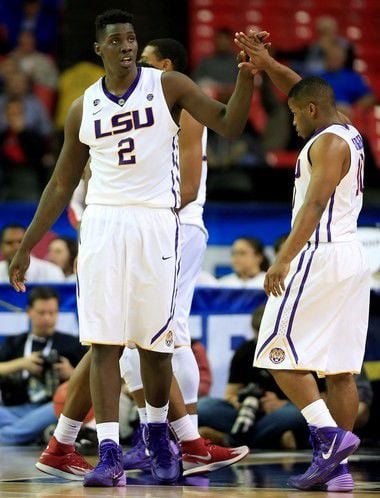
<point>142,415</point>
<point>156,415</point>
<point>67,430</point>
<point>194,420</point>
<point>108,430</point>
<point>318,415</point>
<point>184,429</point>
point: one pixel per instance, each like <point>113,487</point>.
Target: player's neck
<point>327,120</point>
<point>118,83</point>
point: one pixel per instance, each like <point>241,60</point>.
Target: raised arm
<point>227,120</point>
<point>190,157</point>
<point>330,158</point>
<point>282,76</point>
<point>56,196</point>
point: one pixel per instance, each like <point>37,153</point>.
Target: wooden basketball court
<point>261,475</point>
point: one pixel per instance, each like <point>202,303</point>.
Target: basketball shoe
<point>201,456</point>
<point>165,465</point>
<point>109,471</point>
<point>137,458</point>
<point>331,445</point>
<point>62,460</point>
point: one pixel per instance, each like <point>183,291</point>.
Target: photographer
<point>254,410</point>
<point>32,365</point>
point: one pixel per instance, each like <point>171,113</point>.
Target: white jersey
<point>192,214</point>
<point>339,220</point>
<point>133,144</point>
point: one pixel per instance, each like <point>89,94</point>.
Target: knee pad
<point>186,371</point>
<point>130,369</point>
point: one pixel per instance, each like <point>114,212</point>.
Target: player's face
<point>301,120</point>
<point>149,56</point>
<point>118,47</point>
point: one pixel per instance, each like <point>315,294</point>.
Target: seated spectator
<point>254,410</point>
<point>349,87</point>
<point>21,156</point>
<point>249,264</point>
<point>38,271</point>
<point>205,376</point>
<point>32,365</point>
<point>62,251</point>
<point>219,70</point>
<point>36,116</point>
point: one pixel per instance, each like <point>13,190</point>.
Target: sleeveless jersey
<point>339,220</point>
<point>133,144</point>
<point>192,214</point>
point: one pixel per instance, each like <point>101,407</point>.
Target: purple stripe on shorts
<point>330,217</point>
<point>174,166</point>
<point>175,286</point>
<point>295,305</point>
<point>279,315</point>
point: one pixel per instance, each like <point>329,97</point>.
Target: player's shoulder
<point>175,79</point>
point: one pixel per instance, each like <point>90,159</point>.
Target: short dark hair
<point>313,88</point>
<point>112,16</point>
<point>10,226</point>
<point>168,48</point>
<point>44,293</point>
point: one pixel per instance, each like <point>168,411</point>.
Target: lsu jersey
<point>339,220</point>
<point>133,144</point>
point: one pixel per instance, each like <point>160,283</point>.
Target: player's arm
<point>56,196</point>
<point>190,157</point>
<point>330,160</point>
<point>282,76</point>
<point>227,120</point>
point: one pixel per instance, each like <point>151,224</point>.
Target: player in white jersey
<point>169,55</point>
<point>316,316</point>
<point>129,254</point>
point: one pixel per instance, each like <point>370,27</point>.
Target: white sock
<point>67,430</point>
<point>194,420</point>
<point>156,415</point>
<point>142,415</point>
<point>344,461</point>
<point>318,414</point>
<point>108,430</point>
<point>184,429</point>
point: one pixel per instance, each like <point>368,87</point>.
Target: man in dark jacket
<point>32,365</point>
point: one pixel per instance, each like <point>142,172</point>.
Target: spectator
<point>254,408</point>
<point>32,365</point>
<point>219,70</point>
<point>38,271</point>
<point>21,155</point>
<point>62,251</point>
<point>249,263</point>
<point>36,117</point>
<point>205,376</point>
<point>349,87</point>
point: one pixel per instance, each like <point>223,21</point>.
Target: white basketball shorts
<point>193,248</point>
<point>128,267</point>
<point>320,322</point>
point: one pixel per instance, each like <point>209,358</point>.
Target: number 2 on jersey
<point>126,147</point>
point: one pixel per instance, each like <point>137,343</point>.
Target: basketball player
<point>168,55</point>
<point>129,254</point>
<point>317,312</point>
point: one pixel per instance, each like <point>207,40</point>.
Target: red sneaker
<point>62,460</point>
<point>201,455</point>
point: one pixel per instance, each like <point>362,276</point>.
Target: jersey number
<point>359,175</point>
<point>126,147</point>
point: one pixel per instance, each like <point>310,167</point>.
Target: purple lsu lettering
<point>125,122</point>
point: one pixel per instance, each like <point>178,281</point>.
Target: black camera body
<point>51,358</point>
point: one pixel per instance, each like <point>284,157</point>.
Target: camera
<point>51,358</point>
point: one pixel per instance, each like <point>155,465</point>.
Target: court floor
<point>261,475</point>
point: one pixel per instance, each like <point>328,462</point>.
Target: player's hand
<point>17,269</point>
<point>252,44</point>
<point>275,278</point>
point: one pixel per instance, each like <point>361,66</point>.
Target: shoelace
<point>109,455</point>
<point>166,455</point>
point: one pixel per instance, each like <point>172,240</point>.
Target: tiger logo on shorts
<point>277,355</point>
<point>169,339</point>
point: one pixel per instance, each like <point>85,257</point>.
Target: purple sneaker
<point>137,458</point>
<point>339,480</point>
<point>331,445</point>
<point>109,471</point>
<point>165,466</point>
